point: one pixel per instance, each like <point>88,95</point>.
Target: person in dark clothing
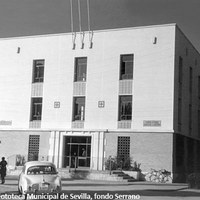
<point>3,164</point>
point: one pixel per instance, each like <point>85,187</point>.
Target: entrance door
<point>77,151</point>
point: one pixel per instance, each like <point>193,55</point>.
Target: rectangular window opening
<point>126,66</point>
<point>199,123</point>
<point>36,109</point>
<point>80,69</point>
<point>191,79</point>
<point>79,109</point>
<point>180,77</point>
<point>199,87</point>
<point>179,114</point>
<point>125,108</point>
<point>190,119</point>
<point>38,71</point>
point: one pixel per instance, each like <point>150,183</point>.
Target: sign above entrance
<point>101,104</point>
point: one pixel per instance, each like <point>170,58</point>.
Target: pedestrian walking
<point>3,164</point>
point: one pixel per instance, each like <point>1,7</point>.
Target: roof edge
<point>100,30</point>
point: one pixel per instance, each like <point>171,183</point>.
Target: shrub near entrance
<point>114,163</point>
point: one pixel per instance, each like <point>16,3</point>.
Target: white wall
<point>152,84</point>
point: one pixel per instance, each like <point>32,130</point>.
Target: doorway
<point>77,151</point>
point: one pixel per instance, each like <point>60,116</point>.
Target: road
<point>94,190</point>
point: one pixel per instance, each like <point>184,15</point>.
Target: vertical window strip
<point>180,78</point>
<point>199,123</point>
<point>179,114</point>
<point>190,119</point>
<point>191,80</point>
<point>199,88</point>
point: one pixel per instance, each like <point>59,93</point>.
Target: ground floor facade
<point>91,149</point>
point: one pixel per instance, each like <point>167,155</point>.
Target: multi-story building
<point>131,92</point>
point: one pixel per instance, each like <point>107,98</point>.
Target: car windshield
<point>35,170</point>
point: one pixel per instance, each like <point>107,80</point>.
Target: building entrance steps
<point>106,175</point>
<point>125,176</point>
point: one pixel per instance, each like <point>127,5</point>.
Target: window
<point>123,148</point>
<point>199,123</point>
<point>38,71</point>
<point>125,108</point>
<point>126,67</point>
<point>79,108</point>
<point>80,69</point>
<point>191,79</point>
<point>180,78</point>
<point>186,52</point>
<point>43,169</point>
<point>190,119</point>
<point>199,87</point>
<point>33,148</point>
<point>36,109</point>
<point>195,62</point>
<point>179,114</point>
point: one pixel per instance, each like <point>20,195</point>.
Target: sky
<point>36,17</point>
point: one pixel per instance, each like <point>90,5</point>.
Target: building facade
<point>131,92</point>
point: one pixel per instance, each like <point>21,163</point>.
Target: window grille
<point>123,150</point>
<point>33,148</point>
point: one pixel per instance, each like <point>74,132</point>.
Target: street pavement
<point>82,189</point>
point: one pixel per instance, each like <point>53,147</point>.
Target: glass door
<point>77,151</point>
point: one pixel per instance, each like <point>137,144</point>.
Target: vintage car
<point>39,177</point>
